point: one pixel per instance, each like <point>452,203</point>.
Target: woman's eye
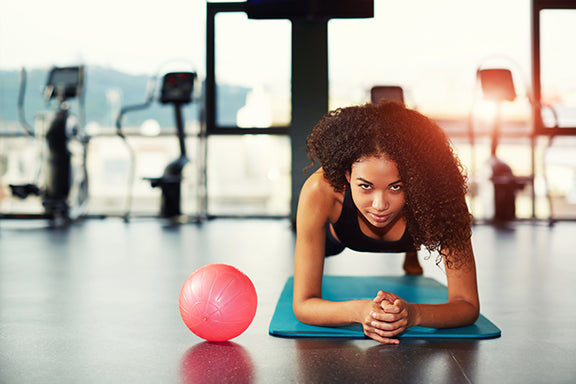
<point>396,187</point>
<point>365,187</point>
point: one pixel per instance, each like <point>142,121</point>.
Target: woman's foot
<point>412,265</point>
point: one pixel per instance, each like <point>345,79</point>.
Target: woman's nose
<point>380,202</point>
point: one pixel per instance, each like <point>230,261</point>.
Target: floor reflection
<point>219,363</point>
<point>414,361</point>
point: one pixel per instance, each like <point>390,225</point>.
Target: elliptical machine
<point>63,84</point>
<point>177,89</point>
<point>497,86</point>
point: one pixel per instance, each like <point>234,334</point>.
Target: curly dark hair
<point>436,212</point>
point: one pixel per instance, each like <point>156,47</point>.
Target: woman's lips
<point>380,218</point>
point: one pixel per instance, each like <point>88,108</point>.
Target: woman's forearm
<point>456,313</point>
<point>317,311</point>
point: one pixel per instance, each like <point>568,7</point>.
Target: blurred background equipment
<point>57,177</point>
<point>177,91</point>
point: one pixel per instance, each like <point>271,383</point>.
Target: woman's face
<point>377,190</point>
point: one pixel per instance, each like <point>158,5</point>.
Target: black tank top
<point>350,235</point>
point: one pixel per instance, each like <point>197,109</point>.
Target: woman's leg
<point>411,264</point>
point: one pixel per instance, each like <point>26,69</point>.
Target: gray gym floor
<point>98,303</point>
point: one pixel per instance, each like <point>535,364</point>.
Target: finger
<point>390,328</point>
<point>385,296</point>
<point>385,340</point>
<point>382,295</point>
<point>388,322</point>
<point>382,318</point>
<point>383,337</point>
<point>383,330</point>
<point>389,307</point>
<point>379,297</point>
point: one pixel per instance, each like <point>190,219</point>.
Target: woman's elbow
<point>472,314</point>
<point>302,312</point>
<point>299,311</point>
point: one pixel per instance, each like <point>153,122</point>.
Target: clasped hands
<point>388,316</point>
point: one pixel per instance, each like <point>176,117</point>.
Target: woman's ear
<point>347,174</point>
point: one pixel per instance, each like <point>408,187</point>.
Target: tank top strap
<point>350,234</point>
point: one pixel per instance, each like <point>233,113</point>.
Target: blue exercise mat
<point>417,289</point>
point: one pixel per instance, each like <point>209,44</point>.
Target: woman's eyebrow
<point>364,181</point>
<point>371,183</point>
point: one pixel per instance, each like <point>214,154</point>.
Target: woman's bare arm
<point>461,309</point>
<point>387,315</point>
<point>316,205</point>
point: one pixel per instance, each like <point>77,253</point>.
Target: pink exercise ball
<point>217,302</point>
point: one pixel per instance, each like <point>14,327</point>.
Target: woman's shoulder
<point>318,185</point>
<point>318,193</point>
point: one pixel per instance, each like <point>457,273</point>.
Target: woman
<point>389,182</point>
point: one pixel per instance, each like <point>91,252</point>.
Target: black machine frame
<point>309,71</point>
<point>539,128</point>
